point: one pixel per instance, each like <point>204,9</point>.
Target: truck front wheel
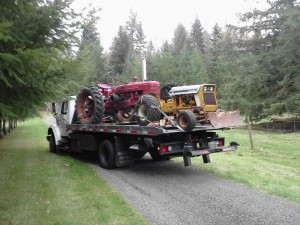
<point>52,145</point>
<point>107,154</point>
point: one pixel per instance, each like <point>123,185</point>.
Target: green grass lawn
<point>37,187</point>
<point>273,166</point>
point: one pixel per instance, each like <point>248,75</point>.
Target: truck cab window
<point>64,108</point>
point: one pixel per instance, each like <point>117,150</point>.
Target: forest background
<point>47,52</point>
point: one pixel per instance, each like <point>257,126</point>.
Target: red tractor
<point>119,103</point>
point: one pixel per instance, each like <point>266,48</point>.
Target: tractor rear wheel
<point>90,106</point>
<point>147,110</point>
<point>186,120</point>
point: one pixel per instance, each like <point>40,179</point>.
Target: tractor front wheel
<point>147,110</point>
<point>186,120</point>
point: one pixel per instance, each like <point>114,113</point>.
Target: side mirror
<point>53,108</point>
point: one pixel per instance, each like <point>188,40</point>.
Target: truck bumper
<point>188,153</point>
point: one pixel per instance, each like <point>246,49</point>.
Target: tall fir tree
<point>180,39</point>
<point>136,33</point>
<point>197,35</point>
<point>34,35</point>
<point>90,62</point>
<point>120,49</point>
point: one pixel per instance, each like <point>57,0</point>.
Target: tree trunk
<point>4,127</point>
<point>1,128</point>
<point>9,125</point>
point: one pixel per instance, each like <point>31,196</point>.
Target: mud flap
<point>224,119</point>
<point>188,147</point>
<point>124,156</point>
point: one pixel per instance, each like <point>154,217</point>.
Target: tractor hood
<point>180,90</point>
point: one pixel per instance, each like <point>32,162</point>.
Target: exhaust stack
<point>144,69</point>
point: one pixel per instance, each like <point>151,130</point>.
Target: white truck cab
<point>63,113</point>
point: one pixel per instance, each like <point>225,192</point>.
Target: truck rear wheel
<point>147,110</point>
<point>90,106</point>
<point>186,120</point>
<point>107,154</point>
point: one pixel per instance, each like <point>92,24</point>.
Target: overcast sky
<point>159,18</point>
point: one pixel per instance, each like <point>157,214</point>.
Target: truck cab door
<point>62,118</point>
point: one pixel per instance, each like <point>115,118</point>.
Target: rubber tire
<point>122,118</point>
<point>146,114</point>
<point>186,120</point>
<point>98,105</point>
<point>107,154</point>
<point>52,145</point>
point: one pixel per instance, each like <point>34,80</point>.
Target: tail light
<point>221,142</point>
<point>164,149</point>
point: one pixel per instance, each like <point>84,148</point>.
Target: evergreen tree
<point>180,39</point>
<point>197,35</point>
<point>165,66</point>
<point>276,45</point>
<point>33,37</point>
<point>150,57</point>
<point>215,60</point>
<point>217,36</point>
<point>120,49</point>
<point>136,33</point>
<point>132,67</point>
<point>90,63</point>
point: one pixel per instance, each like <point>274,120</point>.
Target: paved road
<point>168,193</point>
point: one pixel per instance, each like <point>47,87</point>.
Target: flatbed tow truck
<point>121,144</point>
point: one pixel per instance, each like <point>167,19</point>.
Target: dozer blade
<point>225,119</point>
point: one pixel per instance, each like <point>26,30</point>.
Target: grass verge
<point>273,166</point>
<point>37,187</point>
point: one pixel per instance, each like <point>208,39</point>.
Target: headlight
<point>208,88</point>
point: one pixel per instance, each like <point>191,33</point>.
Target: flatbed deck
<point>135,129</point>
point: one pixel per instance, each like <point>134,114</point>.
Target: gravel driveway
<point>168,193</point>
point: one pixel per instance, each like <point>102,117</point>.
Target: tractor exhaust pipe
<point>144,68</point>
